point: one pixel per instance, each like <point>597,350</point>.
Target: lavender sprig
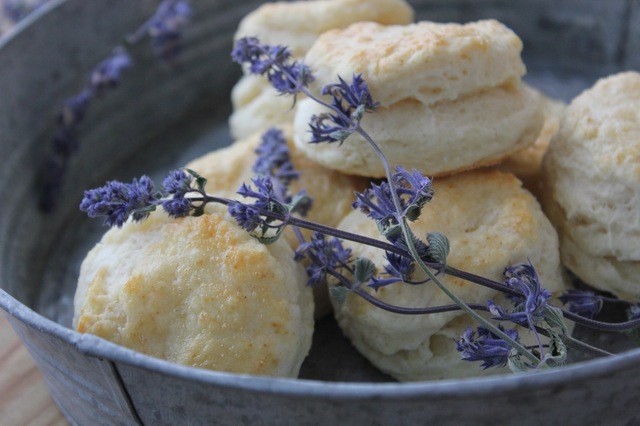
<point>326,254</point>
<point>530,308</point>
<point>104,76</point>
<point>165,28</point>
<point>486,347</point>
<point>116,202</point>
<point>582,302</point>
<point>273,62</point>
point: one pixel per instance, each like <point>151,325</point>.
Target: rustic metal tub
<point>161,117</point>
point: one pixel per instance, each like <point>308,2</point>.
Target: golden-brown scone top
<point>425,61</point>
<point>198,291</point>
<point>297,24</point>
<point>591,178</point>
<point>491,223</point>
<point>332,192</point>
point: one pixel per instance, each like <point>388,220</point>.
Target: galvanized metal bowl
<point>161,117</point>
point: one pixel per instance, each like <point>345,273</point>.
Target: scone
<point>491,223</point>
<point>297,25</point>
<point>591,178</point>
<point>197,291</point>
<point>332,192</point>
<point>451,96</point>
<point>526,164</point>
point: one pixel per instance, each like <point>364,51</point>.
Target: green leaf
<point>271,239</point>
<point>201,182</point>
<point>299,203</point>
<point>198,211</point>
<point>364,270</point>
<point>412,213</point>
<point>357,114</point>
<point>557,353</point>
<point>338,293</point>
<point>392,232</point>
<point>634,335</point>
<point>554,317</point>
<point>516,364</point>
<point>438,247</point>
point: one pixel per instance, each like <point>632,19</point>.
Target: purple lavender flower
<point>165,28</point>
<point>530,308</point>
<point>107,73</point>
<point>178,183</point>
<point>65,138</point>
<point>178,206</point>
<point>634,312</point>
<point>251,216</point>
<point>398,269</point>
<point>414,191</point>
<point>116,201</point>
<point>377,203</point>
<point>327,255</point>
<point>274,62</point>
<point>349,102</point>
<point>582,302</point>
<point>486,347</point>
<point>16,10</point>
<point>355,95</point>
<point>273,158</point>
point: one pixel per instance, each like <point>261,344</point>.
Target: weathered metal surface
<point>161,117</point>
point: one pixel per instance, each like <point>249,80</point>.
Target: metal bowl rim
<point>94,346</point>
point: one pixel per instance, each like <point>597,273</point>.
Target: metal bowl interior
<point>161,117</point>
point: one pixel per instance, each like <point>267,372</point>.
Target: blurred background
<point>13,11</point>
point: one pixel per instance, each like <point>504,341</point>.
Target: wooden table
<point>24,398</point>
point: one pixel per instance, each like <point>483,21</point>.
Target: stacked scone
<point>451,96</point>
<point>297,25</point>
<point>491,223</point>
<point>591,177</point>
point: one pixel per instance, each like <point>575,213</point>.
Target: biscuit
<point>491,223</point>
<point>297,24</point>
<point>198,291</point>
<point>429,62</point>
<point>526,164</point>
<point>591,176</point>
<point>605,273</point>
<point>333,193</point>
<point>257,106</point>
<point>442,139</point>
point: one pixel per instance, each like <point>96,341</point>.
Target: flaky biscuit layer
<point>441,139</point>
<point>491,223</point>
